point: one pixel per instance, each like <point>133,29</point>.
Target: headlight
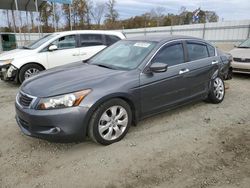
<point>5,62</point>
<point>63,101</point>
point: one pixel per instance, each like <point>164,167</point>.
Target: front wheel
<point>217,91</point>
<point>28,71</point>
<point>110,122</point>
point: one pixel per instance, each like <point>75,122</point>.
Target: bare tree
<point>46,12</point>
<point>32,20</point>
<point>8,19</point>
<point>182,15</point>
<point>211,16</point>
<point>112,14</point>
<point>158,14</point>
<point>66,13</point>
<point>58,15</point>
<point>97,13</point>
<point>88,8</point>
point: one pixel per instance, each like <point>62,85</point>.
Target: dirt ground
<point>199,145</point>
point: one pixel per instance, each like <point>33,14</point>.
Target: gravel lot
<point>199,145</point>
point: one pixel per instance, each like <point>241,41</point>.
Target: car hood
<point>15,54</point>
<point>67,79</point>
<point>240,52</point>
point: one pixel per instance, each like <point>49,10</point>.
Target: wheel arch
<point>125,97</point>
<point>17,76</point>
<point>32,63</point>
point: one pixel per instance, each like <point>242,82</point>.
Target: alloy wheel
<point>219,88</point>
<point>113,123</point>
<point>30,72</point>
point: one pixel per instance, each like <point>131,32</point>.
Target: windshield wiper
<point>243,47</point>
<point>105,66</point>
<point>25,47</point>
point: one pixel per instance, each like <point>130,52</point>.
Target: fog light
<point>55,130</point>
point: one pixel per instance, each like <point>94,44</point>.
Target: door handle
<point>84,53</point>
<point>75,54</point>
<point>215,62</point>
<point>182,71</point>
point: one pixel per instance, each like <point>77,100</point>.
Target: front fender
<point>124,96</point>
<point>34,58</point>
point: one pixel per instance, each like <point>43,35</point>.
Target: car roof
<point>162,38</point>
<point>90,32</point>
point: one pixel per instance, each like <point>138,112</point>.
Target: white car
<point>54,50</point>
<point>241,57</point>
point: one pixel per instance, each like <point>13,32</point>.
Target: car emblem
<point>243,59</point>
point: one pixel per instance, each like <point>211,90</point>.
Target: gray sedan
<point>128,81</point>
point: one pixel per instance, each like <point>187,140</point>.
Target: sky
<point>226,9</point>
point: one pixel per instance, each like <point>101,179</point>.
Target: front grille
<point>241,70</point>
<point>24,100</point>
<point>243,60</point>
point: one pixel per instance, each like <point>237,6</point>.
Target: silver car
<point>241,57</point>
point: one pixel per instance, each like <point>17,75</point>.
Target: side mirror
<point>53,47</point>
<point>158,67</point>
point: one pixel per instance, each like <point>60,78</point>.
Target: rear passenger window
<point>211,50</point>
<point>111,39</point>
<point>90,40</point>
<point>171,55</point>
<point>197,51</point>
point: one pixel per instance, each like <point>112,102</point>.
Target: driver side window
<point>65,42</point>
<point>170,54</point>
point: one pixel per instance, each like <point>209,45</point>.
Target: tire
<point>217,91</point>
<point>29,68</point>
<point>110,122</point>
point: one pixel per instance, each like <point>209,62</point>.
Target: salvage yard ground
<point>198,145</point>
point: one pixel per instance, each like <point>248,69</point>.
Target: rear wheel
<point>28,71</point>
<point>110,122</point>
<point>217,91</point>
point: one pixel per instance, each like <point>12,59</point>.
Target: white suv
<point>54,50</point>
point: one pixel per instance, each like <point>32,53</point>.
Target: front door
<point>66,52</point>
<point>162,90</point>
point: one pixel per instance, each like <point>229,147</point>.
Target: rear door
<point>202,63</point>
<point>162,90</point>
<point>90,44</point>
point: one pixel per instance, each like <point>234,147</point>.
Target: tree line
<point>86,14</point>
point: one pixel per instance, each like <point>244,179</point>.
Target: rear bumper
<point>65,125</point>
<point>241,67</point>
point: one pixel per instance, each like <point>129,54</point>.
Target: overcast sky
<point>227,9</point>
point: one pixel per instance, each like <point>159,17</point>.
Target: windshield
<point>245,44</point>
<point>40,41</point>
<point>124,55</point>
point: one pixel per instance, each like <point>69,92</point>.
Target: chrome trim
<point>32,102</point>
<point>183,71</point>
<point>176,40</point>
<point>214,62</point>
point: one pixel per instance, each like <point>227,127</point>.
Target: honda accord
<point>128,81</point>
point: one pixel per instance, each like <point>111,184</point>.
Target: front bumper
<point>69,124</point>
<point>6,74</point>
<point>241,67</point>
